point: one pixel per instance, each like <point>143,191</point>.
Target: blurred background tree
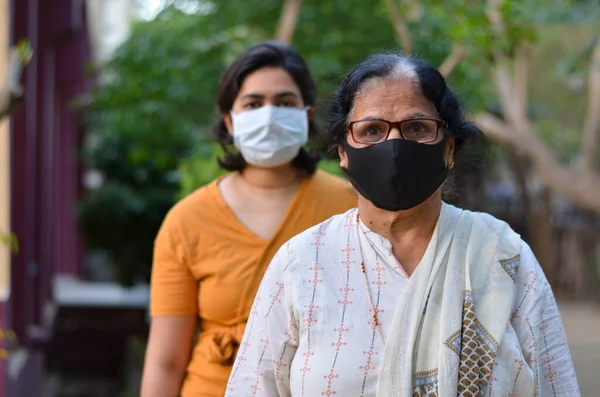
<point>150,116</point>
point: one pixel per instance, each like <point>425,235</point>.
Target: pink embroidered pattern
<point>521,365</point>
<point>330,377</point>
<point>257,372</point>
<point>345,302</point>
<point>379,283</point>
<point>530,286</point>
<point>368,366</point>
<point>290,333</point>
<point>275,297</point>
<point>493,379</point>
<point>279,364</point>
<point>310,320</point>
<point>548,358</point>
<point>379,269</point>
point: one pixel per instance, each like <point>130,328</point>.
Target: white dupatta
<point>451,328</point>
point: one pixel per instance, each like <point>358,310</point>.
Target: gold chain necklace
<point>376,322</point>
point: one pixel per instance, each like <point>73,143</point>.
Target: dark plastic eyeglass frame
<point>398,125</point>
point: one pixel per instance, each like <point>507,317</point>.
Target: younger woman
<point>214,246</point>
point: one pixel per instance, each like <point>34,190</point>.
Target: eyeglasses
<point>421,130</point>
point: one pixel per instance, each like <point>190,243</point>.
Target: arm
<point>173,306</point>
<point>542,335</point>
<point>262,367</point>
<point>556,374</point>
<point>167,355</point>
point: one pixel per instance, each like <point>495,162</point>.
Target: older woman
<point>406,295</point>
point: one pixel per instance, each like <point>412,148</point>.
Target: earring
<point>451,165</point>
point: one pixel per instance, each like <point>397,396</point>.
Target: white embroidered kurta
<point>311,330</point>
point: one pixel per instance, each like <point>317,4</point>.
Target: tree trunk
<point>288,20</point>
<point>575,265</point>
<point>542,244</point>
<point>597,269</point>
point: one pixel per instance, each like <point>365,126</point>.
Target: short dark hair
<point>431,83</point>
<point>265,54</point>
<point>433,86</point>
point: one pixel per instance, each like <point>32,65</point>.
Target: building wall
<point>4,160</point>
<point>44,181</point>
<point>4,191</point>
<point>46,137</point>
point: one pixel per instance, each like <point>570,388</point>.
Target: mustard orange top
<point>207,262</point>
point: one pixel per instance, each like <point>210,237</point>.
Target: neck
<point>269,178</point>
<point>401,227</point>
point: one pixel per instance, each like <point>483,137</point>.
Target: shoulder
<point>191,212</point>
<point>531,276</point>
<point>303,248</point>
<point>198,200</point>
<point>331,193</point>
<point>485,220</point>
<point>326,182</point>
<point>489,231</point>
<point>534,293</point>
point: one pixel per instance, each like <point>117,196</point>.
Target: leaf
<point>11,240</point>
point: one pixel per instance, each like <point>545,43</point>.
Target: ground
<point>582,325</point>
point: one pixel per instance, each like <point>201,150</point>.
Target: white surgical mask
<point>270,136</point>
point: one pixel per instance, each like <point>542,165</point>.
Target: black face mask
<point>396,174</point>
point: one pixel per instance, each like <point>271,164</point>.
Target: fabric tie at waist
<point>221,343</point>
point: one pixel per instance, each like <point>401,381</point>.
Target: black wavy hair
<point>265,54</point>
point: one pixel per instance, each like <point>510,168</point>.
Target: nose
<point>395,133</point>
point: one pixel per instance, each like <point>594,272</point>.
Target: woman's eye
<point>252,105</point>
<point>287,104</point>
<point>372,131</point>
<point>417,127</point>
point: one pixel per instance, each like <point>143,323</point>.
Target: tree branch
<point>581,188</point>
<point>504,83</point>
<point>403,34</point>
<point>589,141</point>
<point>12,93</point>
<point>288,20</point>
<point>459,52</point>
<point>521,80</point>
<point>493,14</point>
<point>511,79</point>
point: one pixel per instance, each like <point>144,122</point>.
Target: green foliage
<point>152,113</point>
<point>24,52</point>
<point>10,239</point>
<point>333,167</point>
<point>200,169</point>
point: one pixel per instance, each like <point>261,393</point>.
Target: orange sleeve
<point>173,288</point>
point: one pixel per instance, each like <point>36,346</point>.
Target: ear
<point>449,152</point>
<point>227,121</point>
<point>311,113</point>
<point>343,157</point>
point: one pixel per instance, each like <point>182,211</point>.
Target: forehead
<point>268,81</point>
<point>393,99</point>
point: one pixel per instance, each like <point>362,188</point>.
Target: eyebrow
<point>416,115</point>
<point>283,94</point>
<point>411,116</point>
